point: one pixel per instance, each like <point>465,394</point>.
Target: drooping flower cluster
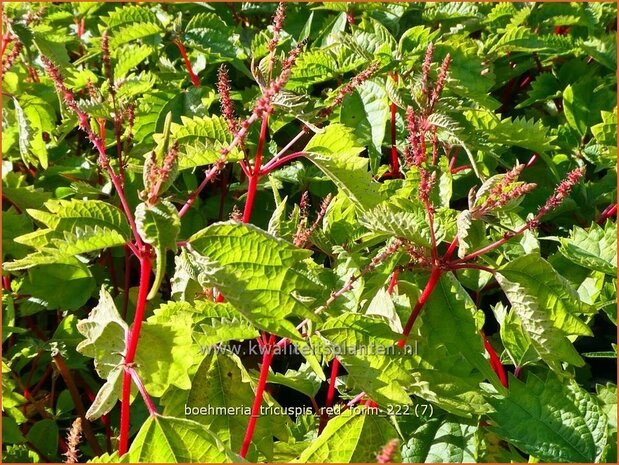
<point>355,82</point>
<point>562,191</point>
<point>388,452</point>
<point>503,192</point>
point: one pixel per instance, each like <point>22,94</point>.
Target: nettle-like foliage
<point>309,232</point>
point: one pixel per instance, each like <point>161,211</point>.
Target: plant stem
<point>146,265</point>
<point>181,48</point>
<point>216,168</point>
<point>434,277</point>
<point>255,174</point>
<point>267,356</point>
<point>279,162</point>
<point>394,281</point>
<point>494,245</point>
<point>150,405</point>
<point>608,212</point>
<point>495,361</point>
<point>77,401</point>
<point>324,418</point>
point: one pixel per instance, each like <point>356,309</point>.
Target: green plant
<point>425,247</point>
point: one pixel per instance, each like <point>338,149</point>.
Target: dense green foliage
<point>412,223</point>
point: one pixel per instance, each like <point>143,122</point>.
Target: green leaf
<point>133,32</point>
<point>441,440</point>
<point>454,322</point>
<point>88,239</point>
<point>335,152</point>
<point>264,277</point>
<point>65,215</point>
<point>303,380</point>
<point>365,111</point>
<point>128,57</point>
<point>61,284</point>
<point>595,249</point>
<point>546,305</point>
<point>399,218</point>
<point>174,440</point>
<point>13,226</point>
<point>44,436</point>
<point>202,139</point>
<point>552,420</point>
<point>159,226</point>
<point>222,382</point>
<point>350,438</point>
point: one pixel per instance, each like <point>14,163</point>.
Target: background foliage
<point>528,83</point>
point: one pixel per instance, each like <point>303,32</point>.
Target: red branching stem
<point>425,295</point>
<point>132,345</point>
<point>181,48</point>
<point>267,356</point>
<point>150,405</point>
<point>279,154</point>
<point>99,143</point>
<point>254,177</point>
<point>451,249</point>
<point>218,166</point>
<point>324,419</point>
<point>507,237</point>
<point>394,281</point>
<point>461,168</point>
<point>272,165</point>
<point>331,392</point>
<point>608,212</point>
<point>472,266</point>
<point>495,361</point>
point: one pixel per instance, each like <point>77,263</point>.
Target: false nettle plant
<point>408,209</point>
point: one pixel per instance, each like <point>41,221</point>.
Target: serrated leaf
<point>222,382</point>
<point>595,249</point>
<point>133,32</point>
<point>67,214</point>
<point>262,276</point>
<point>303,380</point>
<point>350,438</point>
<point>201,140</point>
<point>335,153</point>
<point>159,226</point>
<point>546,305</point>
<point>405,219</point>
<point>453,321</point>
<point>366,111</point>
<point>174,440</point>
<point>552,420</point>
<point>441,440</point>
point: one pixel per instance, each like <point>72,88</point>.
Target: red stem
<point>192,75</point>
<point>279,162</point>
<point>394,281</point>
<point>267,356</point>
<point>434,277</point>
<point>150,405</point>
<point>324,418</point>
<point>495,362</point>
<point>255,174</point>
<point>461,168</point>
<point>214,171</point>
<point>608,212</point>
<point>132,345</point>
